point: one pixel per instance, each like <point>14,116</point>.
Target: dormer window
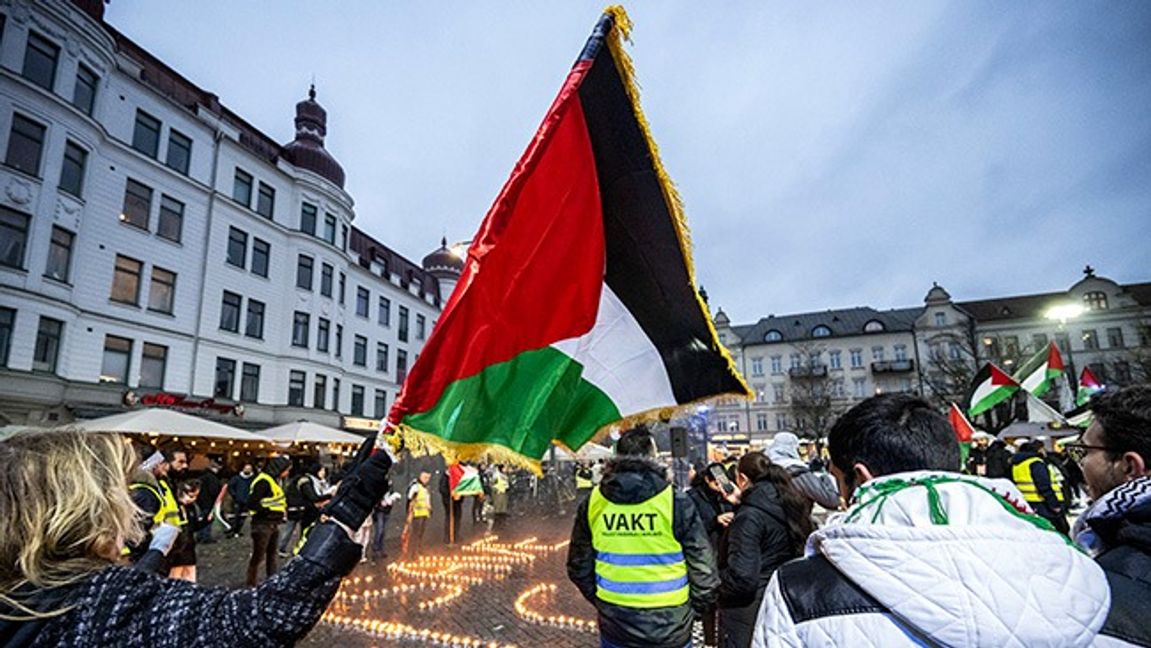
<point>873,326</point>
<point>821,331</point>
<point>773,336</point>
<point>1095,300</point>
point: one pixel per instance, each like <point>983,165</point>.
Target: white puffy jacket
<point>935,559</point>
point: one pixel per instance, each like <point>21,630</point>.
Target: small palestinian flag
<point>1037,374</point>
<point>963,431</point>
<point>1089,385</point>
<point>464,480</point>
<point>577,306</point>
<point>990,387</point>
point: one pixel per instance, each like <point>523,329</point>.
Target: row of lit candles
<point>394,631</point>
<point>555,620</point>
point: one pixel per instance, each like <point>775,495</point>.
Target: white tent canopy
<point>589,452</point>
<point>308,432</point>
<point>166,422</point>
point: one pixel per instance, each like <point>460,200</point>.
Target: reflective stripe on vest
<point>639,563</point>
<point>169,511</point>
<point>1021,475</point>
<point>277,503</point>
<point>422,502</point>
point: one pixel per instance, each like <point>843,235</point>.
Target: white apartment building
<point>805,369</point>
<point>157,248</point>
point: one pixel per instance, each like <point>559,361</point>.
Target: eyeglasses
<point>1078,451</point>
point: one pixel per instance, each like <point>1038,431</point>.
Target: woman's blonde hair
<point>65,507</point>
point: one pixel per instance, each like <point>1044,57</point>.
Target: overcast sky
<point>829,155</point>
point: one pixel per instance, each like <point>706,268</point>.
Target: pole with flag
<point>577,310</point>
<point>1038,374</point>
<point>1089,385</point>
<point>990,387</point>
<point>964,432</point>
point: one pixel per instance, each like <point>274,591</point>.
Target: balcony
<point>814,371</point>
<point>893,366</point>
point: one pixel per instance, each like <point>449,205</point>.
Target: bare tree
<point>815,400</point>
<point>952,361</point>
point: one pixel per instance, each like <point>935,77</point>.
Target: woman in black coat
<point>770,528</point>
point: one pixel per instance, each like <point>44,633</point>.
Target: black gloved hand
<point>364,485</point>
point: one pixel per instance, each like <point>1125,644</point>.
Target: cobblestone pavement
<point>461,597</point>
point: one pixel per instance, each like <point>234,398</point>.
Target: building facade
<point>155,248</point>
<point>806,369</point>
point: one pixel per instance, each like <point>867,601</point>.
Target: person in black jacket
<point>770,527</point>
<point>633,477</point>
<point>715,513</point>
<point>61,584</point>
<point>269,508</point>
<point>997,462</point>
<point>1115,455</point>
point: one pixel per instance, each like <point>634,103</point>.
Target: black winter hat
<point>276,465</point>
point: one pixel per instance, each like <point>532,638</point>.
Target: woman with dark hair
<point>769,528</point>
<point>716,514</point>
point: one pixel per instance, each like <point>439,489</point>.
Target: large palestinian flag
<point>1038,373</point>
<point>577,306</point>
<point>990,387</point>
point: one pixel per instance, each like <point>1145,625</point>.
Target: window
<point>308,219</point>
<point>225,378</point>
<point>403,331</point>
<point>1090,340</point>
<point>146,135</point>
<point>1011,345</point>
<point>360,351</point>
<point>171,222</point>
<point>230,312</point>
<point>336,394</point>
<point>319,391</point>
<point>13,237</point>
<point>250,383</point>
<point>381,404</point>
<point>773,336</point>
<point>339,340</point>
<point>877,354</point>
<point>237,247</point>
<point>401,365</point>
<point>384,316</point>
<point>261,252</point>
<point>152,364</point>
<point>941,319</point>
<point>72,170</point>
<point>343,285</point>
<point>126,280</point>
<point>796,361</point>
<point>304,272</point>
<point>1115,338</point>
<point>137,204</point>
<point>25,145</point>
<point>421,324</point>
<point>330,228</point>
<point>1038,341</point>
<point>266,201</point>
<point>7,324</point>
<point>59,254</point>
<point>296,381</point>
<point>821,331</point>
<point>761,421</point>
<point>357,400</point>
<point>179,151</point>
<point>874,326</point>
<point>242,187</point>
<point>815,359</point>
<point>1095,300</point>
<point>954,351</point>
<point>777,393</point>
<point>901,352</point>
<point>776,365</point>
<point>757,366</point>
<point>1122,372</point>
<point>326,271</point>
<point>835,359</point>
<point>47,347</point>
<point>40,61</point>
<point>117,358</point>
<point>856,358</point>
<point>858,387</point>
<point>781,421</point>
<point>381,357</point>
<point>363,297</point>
<point>323,326</point>
<point>84,92</point>
<point>344,238</point>
<point>162,291</point>
<point>301,322</point>
<point>254,328</point>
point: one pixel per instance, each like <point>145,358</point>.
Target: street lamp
<point>1061,313</point>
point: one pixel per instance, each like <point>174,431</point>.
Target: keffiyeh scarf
<point>1110,508</point>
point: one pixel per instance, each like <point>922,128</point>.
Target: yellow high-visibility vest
<point>639,563</point>
<point>422,502</point>
<point>169,510</point>
<point>583,482</point>
<point>1021,475</point>
<point>277,503</point>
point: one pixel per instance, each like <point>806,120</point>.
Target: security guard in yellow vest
<point>1041,484</point>
<point>153,495</point>
<point>639,552</point>
<point>419,512</point>
<point>269,508</point>
<point>583,480</point>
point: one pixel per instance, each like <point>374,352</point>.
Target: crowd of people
<point>919,548</point>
